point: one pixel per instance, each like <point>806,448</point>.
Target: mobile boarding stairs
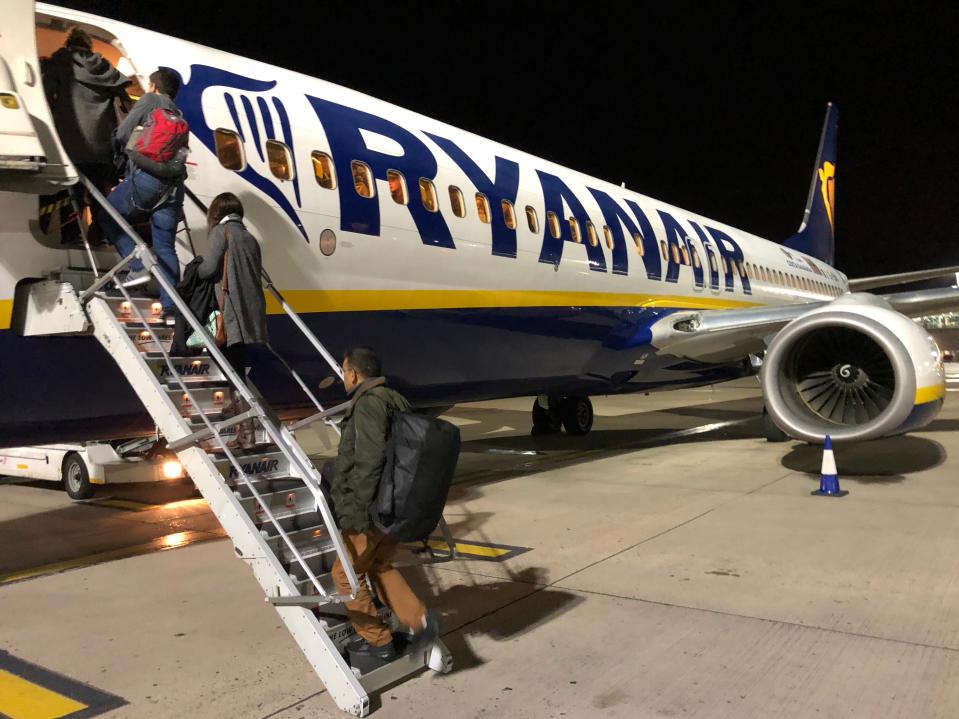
<point>270,499</point>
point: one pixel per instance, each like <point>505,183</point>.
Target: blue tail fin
<point>816,236</point>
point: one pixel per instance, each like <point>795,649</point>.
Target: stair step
<point>311,542</point>
<point>306,520</point>
<point>294,501</point>
<point>210,399</point>
<point>150,308</point>
<point>266,464</point>
<point>192,370</point>
<point>321,564</point>
<point>141,338</point>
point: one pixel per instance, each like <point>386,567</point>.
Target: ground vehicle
<point>81,467</point>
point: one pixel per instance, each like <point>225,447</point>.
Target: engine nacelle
<point>855,369</point>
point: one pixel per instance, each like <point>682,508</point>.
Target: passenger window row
<point>229,150</point>
<point>785,279</point>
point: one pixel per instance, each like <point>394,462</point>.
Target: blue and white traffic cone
<point>828,476</point>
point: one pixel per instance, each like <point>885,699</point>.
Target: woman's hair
<point>226,203</point>
<point>79,37</point>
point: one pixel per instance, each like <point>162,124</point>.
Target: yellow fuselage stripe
<point>20,699</point>
<point>306,301</point>
<point>6,312</point>
<point>930,394</point>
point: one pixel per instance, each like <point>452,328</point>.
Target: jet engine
<point>855,369</point>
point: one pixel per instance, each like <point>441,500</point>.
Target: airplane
<point>477,271</point>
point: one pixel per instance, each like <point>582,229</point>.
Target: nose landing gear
<point>574,414</point>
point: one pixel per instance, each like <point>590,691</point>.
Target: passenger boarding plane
<point>476,270</point>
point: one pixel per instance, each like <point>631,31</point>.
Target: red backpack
<point>160,148</point>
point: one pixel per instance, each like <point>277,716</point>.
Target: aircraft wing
<point>901,278</point>
<point>727,335</point>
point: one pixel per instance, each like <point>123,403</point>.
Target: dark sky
<point>717,111</point>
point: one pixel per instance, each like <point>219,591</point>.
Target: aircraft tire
<point>76,478</point>
<point>771,430</point>
<point>577,414</point>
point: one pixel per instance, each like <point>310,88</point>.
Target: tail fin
<point>816,236</point>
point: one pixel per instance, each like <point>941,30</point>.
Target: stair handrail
<point>305,470</point>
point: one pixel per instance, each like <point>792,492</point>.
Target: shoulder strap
<point>224,290</point>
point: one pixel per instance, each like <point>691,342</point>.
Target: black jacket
<point>81,88</point>
<point>200,295</point>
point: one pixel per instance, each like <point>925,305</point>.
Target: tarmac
<point>670,564</point>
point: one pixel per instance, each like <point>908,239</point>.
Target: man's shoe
<point>360,646</point>
<point>365,657</point>
<point>137,278</point>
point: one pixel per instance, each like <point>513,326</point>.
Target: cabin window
<point>742,269</point>
<point>229,149</point>
<point>397,183</point>
<point>782,279</point>
<point>697,263</point>
<point>509,215</point>
<point>712,262</point>
<point>685,256</point>
<point>532,219</point>
<point>457,201</point>
<point>280,160</point>
<point>553,221</point>
<point>482,208</point>
<point>662,248</point>
<point>428,195</point>
<point>591,233</point>
<point>638,241</point>
<point>323,170</point>
<point>574,229</point>
<point>725,265</point>
<point>608,236</point>
<point>675,253</point>
<point>363,179</point>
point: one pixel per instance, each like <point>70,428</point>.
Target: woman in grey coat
<point>243,305</point>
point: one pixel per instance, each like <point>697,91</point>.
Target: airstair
<point>270,499</point>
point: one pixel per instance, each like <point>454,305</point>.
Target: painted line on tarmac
<point>129,505</point>
<point>559,457</point>
<point>28,691</point>
<point>176,540</point>
<point>483,551</point>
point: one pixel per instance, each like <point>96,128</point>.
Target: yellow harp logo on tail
<point>827,184</point>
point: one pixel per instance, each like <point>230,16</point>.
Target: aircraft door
<point>31,156</point>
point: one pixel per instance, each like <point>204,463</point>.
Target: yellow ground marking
<point>6,313</point>
<point>20,699</point>
<point>306,301</point>
<point>471,549</point>
<point>169,541</point>
<point>126,504</point>
<point>930,394</point>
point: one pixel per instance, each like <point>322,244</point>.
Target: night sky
<point>717,111</point>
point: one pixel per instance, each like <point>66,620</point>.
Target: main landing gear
<point>574,414</point>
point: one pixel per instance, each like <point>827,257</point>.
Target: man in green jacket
<point>353,486</point>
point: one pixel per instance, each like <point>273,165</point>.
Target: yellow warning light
<point>144,335</point>
<point>172,469</point>
<point>218,398</point>
<point>156,308</point>
<point>186,400</point>
<point>9,101</point>
<point>125,307</point>
<point>197,363</point>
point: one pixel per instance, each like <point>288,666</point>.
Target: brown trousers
<point>372,553</point>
